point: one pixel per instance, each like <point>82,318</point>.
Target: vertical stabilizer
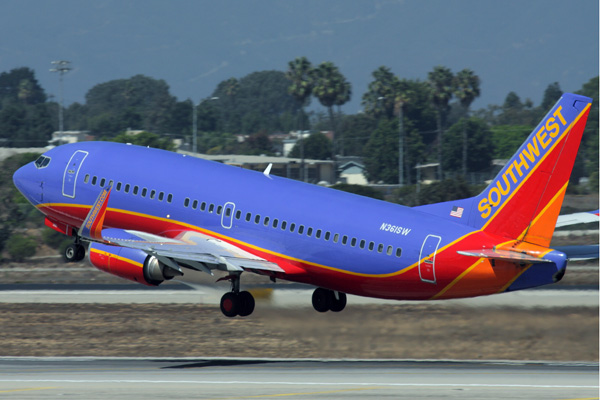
<point>524,200</point>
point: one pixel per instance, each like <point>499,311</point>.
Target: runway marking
<point>26,390</point>
<point>294,394</point>
<point>286,383</point>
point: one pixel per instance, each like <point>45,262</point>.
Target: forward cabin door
<point>71,173</point>
<point>227,216</point>
<point>427,258</point>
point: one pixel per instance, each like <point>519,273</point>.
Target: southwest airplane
<point>152,215</point>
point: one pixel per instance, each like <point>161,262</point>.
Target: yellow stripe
<point>127,260</point>
<point>541,213</point>
<point>535,167</point>
<point>456,280</point>
<point>26,390</point>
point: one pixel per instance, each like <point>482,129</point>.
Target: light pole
<point>195,124</point>
<point>401,144</point>
<point>62,67</point>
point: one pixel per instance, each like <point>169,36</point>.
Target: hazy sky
<point>513,45</point>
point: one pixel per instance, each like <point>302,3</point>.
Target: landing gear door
<point>71,173</point>
<point>427,258</point>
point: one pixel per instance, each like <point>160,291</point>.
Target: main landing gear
<point>328,300</point>
<point>74,252</point>
<point>235,302</point>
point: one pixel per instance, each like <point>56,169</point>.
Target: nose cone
<point>28,182</point>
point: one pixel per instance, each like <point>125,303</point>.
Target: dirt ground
<point>419,331</point>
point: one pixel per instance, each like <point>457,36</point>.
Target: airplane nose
<point>27,182</point>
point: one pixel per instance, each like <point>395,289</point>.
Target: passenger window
<point>266,221</point>
<point>102,182</point>
<point>161,196</point>
<point>186,202</point>
<point>344,240</point>
<point>86,179</point>
<point>283,225</point>
<point>203,206</point>
<point>228,212</point>
<point>309,232</point>
<point>144,192</point>
<point>136,190</point>
<point>327,235</point>
<point>353,242</point>
<point>119,184</point>
<point>257,219</point>
<point>398,252</point>
<point>219,210</point>
<point>127,186</point>
<point>169,198</point>
<point>275,223</point>
<point>292,227</point>
<point>195,204</point>
<point>362,244</point>
<point>238,214</point>
<point>301,229</point>
<point>371,246</point>
<point>390,250</point>
<point>211,208</point>
<point>248,217</point>
<point>94,180</point>
<point>152,194</point>
<point>318,234</point>
<point>380,248</point>
<point>111,182</point>
<point>336,238</point>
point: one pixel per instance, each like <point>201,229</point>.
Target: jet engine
<point>131,264</point>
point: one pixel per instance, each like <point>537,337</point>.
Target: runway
<point>226,378</point>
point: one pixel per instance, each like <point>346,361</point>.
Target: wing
<point>577,218</point>
<point>193,249</point>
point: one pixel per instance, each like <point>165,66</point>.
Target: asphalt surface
<point>226,378</point>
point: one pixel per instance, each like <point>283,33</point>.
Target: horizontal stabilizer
<point>505,255</point>
<point>580,253</point>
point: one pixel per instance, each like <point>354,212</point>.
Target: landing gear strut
<point>328,300</point>
<point>235,302</point>
<point>74,252</point>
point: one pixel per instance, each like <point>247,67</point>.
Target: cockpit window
<point>42,162</point>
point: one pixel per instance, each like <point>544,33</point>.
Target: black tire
<point>80,252</point>
<point>339,304</point>
<point>321,299</point>
<point>230,304</point>
<point>70,253</point>
<point>246,303</point>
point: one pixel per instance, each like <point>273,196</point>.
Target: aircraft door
<point>71,173</point>
<point>427,258</point>
<point>227,215</point>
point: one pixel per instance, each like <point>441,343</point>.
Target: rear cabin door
<point>227,216</point>
<point>427,258</point>
<point>71,173</point>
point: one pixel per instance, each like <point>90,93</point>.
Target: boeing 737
<point>152,215</point>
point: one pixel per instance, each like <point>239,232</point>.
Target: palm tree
<point>300,73</point>
<point>466,90</point>
<point>442,87</point>
<point>331,88</point>
<point>379,98</point>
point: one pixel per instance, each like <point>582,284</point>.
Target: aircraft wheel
<point>246,303</point>
<point>321,299</point>
<point>74,252</point>
<point>230,304</point>
<point>338,304</point>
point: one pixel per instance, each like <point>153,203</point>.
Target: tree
<point>300,73</point>
<point>316,147</point>
<point>479,141</point>
<point>379,99</point>
<point>442,88</point>
<point>331,88</point>
<point>551,96</point>
<point>382,153</point>
<point>147,139</point>
<point>20,85</point>
<point>466,90</point>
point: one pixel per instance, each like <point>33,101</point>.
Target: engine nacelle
<point>131,264</point>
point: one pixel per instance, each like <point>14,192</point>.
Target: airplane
<point>152,215</point>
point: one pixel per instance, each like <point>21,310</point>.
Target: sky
<point>512,45</point>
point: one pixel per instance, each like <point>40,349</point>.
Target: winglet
<point>93,223</point>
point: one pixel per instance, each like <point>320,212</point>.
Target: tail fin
<point>524,200</point>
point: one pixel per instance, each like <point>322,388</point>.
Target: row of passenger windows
<point>127,188</point>
<point>266,221</point>
<point>292,227</point>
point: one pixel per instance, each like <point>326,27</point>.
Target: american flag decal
<point>457,212</point>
